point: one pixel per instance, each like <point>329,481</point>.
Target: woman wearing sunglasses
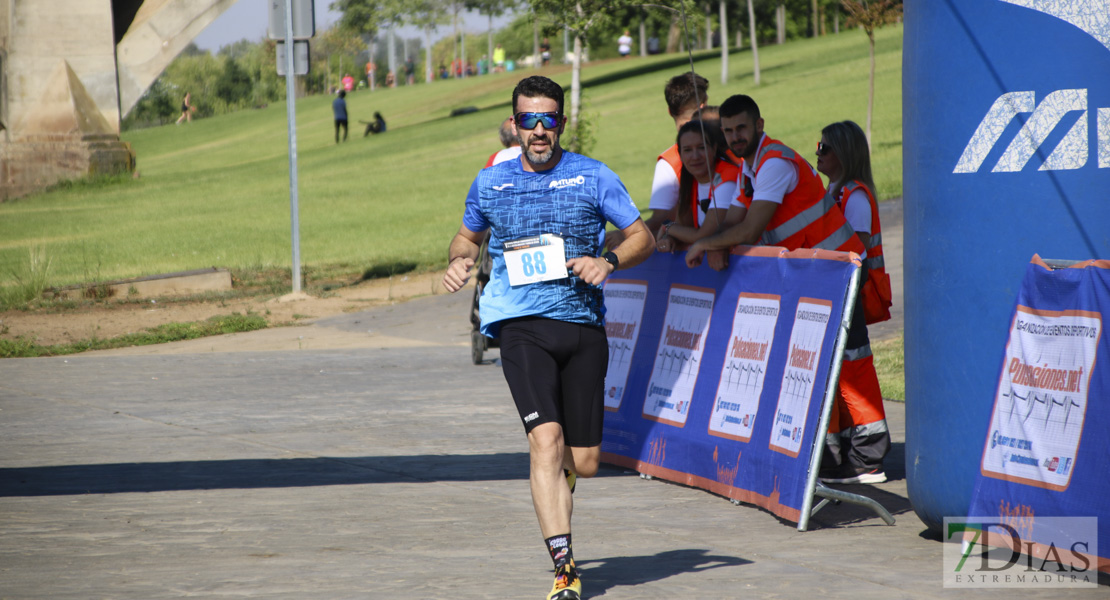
<point>858,437</point>
<point>706,185</point>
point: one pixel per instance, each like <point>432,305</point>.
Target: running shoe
<point>872,476</point>
<point>567,584</point>
<point>572,479</point>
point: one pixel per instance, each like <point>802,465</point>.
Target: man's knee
<point>585,461</point>
<point>546,440</point>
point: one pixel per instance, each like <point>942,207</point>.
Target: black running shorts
<point>556,373</point>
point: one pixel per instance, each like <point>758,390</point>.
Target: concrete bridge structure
<point>70,70</point>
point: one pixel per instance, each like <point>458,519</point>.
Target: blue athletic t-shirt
<point>572,200</point>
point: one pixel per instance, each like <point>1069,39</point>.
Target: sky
<point>250,18</point>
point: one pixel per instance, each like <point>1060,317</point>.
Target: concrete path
<point>375,469</point>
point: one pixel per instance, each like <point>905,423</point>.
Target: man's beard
<point>540,159</point>
<point>749,148</point>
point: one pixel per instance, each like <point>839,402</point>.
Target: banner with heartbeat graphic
<point>1047,446</point>
<point>717,379</point>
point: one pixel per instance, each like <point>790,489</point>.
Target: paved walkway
<point>387,468</point>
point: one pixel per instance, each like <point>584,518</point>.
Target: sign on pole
<point>300,58</point>
<point>304,19</point>
<point>293,18</point>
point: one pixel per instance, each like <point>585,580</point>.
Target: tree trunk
<point>871,88</point>
<point>836,19</point>
<point>708,28</point>
<point>643,34</point>
<point>755,46</point>
<point>566,44</point>
<point>535,41</point>
<point>723,18</point>
<point>489,54</point>
<point>780,24</point>
<point>462,53</point>
<point>814,18</point>
<point>393,56</point>
<point>428,54</point>
<point>576,81</point>
<point>674,36</point>
<point>374,59</point>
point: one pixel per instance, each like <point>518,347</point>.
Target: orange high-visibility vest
<point>807,217</point>
<point>673,159</point>
<point>877,297</point>
<point>724,171</point>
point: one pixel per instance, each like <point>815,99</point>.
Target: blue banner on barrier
<point>1047,446</point>
<point>716,380</point>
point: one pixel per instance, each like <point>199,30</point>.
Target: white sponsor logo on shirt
<point>562,183</point>
<point>502,187</point>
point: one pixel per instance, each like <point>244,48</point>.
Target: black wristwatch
<point>611,258</point>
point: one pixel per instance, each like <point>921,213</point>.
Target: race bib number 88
<point>537,258</point>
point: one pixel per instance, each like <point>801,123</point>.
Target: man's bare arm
<point>748,231</point>
<point>461,256</point>
<point>635,248</point>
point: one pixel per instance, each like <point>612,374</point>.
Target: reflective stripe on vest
<point>874,258</point>
<point>804,219</point>
<point>820,224</point>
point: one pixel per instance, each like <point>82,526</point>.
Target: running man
<point>544,300</point>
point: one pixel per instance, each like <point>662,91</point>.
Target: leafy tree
<point>234,84</point>
<point>579,16</point>
<point>332,48</point>
<point>491,8</point>
<point>359,16</point>
<point>870,15</point>
<point>428,15</point>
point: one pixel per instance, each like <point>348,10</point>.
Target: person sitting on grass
<point>375,126</point>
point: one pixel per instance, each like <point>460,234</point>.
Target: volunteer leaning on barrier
<point>707,185</point>
<point>858,438</point>
<point>545,212</point>
<point>685,94</point>
<point>778,189</point>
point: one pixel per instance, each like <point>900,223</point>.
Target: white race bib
<point>537,258</point>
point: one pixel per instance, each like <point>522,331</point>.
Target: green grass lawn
<point>216,192</point>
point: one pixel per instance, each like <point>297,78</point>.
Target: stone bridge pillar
<point>69,69</point>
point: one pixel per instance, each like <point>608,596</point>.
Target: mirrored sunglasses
<point>528,120</point>
<point>823,148</point>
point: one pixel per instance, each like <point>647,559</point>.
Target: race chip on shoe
<point>536,258</point>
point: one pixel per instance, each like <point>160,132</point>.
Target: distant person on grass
<point>187,109</point>
<point>624,44</point>
<point>510,142</point>
<point>375,126</point>
<point>339,108</point>
<point>410,71</point>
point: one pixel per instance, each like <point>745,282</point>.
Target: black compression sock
<point>560,548</point>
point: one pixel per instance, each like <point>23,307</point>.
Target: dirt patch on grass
<point>104,320</point>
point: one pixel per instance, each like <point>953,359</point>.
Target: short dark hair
<point>738,104</point>
<point>682,90</point>
<point>342,93</point>
<point>538,86</point>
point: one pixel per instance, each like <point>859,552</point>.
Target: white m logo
<point>1070,153</point>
